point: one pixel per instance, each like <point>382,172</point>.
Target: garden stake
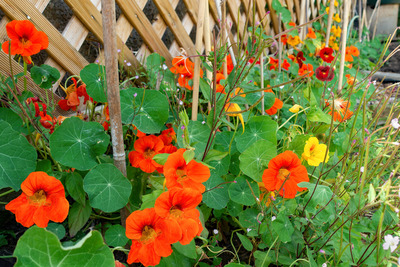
<point>113,96</point>
<point>196,76</point>
<point>330,18</point>
<point>343,44</point>
<point>262,81</point>
<point>207,41</point>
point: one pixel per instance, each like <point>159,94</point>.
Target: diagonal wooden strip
<point>59,48</point>
<point>235,13</point>
<point>142,25</point>
<point>274,17</point>
<point>91,18</point>
<point>172,20</point>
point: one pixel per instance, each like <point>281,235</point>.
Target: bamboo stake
<point>343,44</point>
<point>207,41</point>
<point>280,45</point>
<point>330,18</point>
<point>262,82</point>
<point>198,46</point>
<point>111,60</point>
<point>360,21</point>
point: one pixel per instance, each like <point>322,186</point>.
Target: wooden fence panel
<point>63,49</point>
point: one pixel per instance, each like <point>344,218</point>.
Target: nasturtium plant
<point>94,76</point>
<point>45,75</point>
<point>76,143</point>
<point>17,157</point>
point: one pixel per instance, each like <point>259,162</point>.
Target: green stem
<point>6,193</point>
<point>25,72</point>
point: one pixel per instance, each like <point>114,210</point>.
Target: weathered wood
<point>91,18</point>
<point>142,25</point>
<point>59,48</point>
<point>172,20</point>
<point>274,17</point>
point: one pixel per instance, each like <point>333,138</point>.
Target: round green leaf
<point>240,192</point>
<point>257,128</point>
<point>198,136</point>
<point>217,197</point>
<point>76,143</point>
<point>57,229</point>
<point>221,166</point>
<point>283,227</point>
<point>12,118</point>
<point>107,188</point>
<point>39,247</point>
<point>248,219</point>
<point>148,113</point>
<point>17,157</point>
<point>94,76</point>
<point>254,160</point>
<point>44,75</point>
<point>115,236</point>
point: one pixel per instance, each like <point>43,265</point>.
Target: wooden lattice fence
<point>63,51</point>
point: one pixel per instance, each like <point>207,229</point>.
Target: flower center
<point>181,173</point>
<point>148,234</point>
<point>283,174</point>
<point>175,211</point>
<point>149,153</point>
<point>39,198</point>
<point>312,147</point>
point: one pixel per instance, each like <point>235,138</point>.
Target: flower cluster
<point>74,93</point>
<point>174,217</point>
<point>185,69</point>
<point>46,120</point>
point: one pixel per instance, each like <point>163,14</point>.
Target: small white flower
<point>362,169</point>
<point>395,123</point>
<point>391,242</point>
<point>347,181</point>
<point>324,264</point>
<point>374,82</point>
<point>125,61</point>
<point>329,89</point>
<point>203,122</point>
<point>164,67</point>
<point>396,210</point>
<point>281,86</point>
<point>248,229</point>
<point>215,231</point>
<point>180,102</point>
<point>273,218</point>
<point>119,50</point>
<point>177,90</point>
<point>128,64</point>
<point>136,77</point>
<point>396,143</point>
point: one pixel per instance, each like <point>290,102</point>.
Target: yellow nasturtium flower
<point>294,40</point>
<point>296,108</point>
<point>233,107</point>
<point>314,152</point>
<point>337,18</point>
<point>336,31</point>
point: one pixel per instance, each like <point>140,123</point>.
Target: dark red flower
<point>326,54</point>
<point>324,73</point>
<point>300,58</point>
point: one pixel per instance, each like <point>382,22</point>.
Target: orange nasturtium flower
<point>350,79</point>
<point>350,52</point>
<point>25,39</point>
<point>278,104</point>
<point>179,174</point>
<point>314,152</point>
<point>233,107</point>
<point>311,33</point>
<point>274,63</point>
<point>42,200</point>
<point>167,136</point>
<point>219,87</point>
<point>306,69</point>
<point>145,149</point>
<point>284,173</point>
<point>151,237</point>
<point>178,206</point>
<point>341,110</point>
<point>294,40</point>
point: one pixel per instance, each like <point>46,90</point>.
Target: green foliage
<point>77,143</point>
<point>94,76</point>
<point>37,242</point>
<point>107,188</point>
<point>17,157</point>
<point>44,75</point>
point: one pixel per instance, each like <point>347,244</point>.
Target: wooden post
<point>330,18</point>
<point>343,43</point>
<point>207,41</point>
<point>197,61</point>
<point>262,82</point>
<point>113,97</point>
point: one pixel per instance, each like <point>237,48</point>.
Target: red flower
<point>25,39</point>
<point>220,88</point>
<point>145,149</point>
<point>73,92</point>
<point>311,33</point>
<point>285,64</point>
<point>306,69</point>
<point>284,39</point>
<point>284,173</point>
<point>274,63</point>
<point>326,54</point>
<point>151,237</point>
<point>167,136</point>
<point>42,200</point>
<point>179,206</point>
<point>324,73</point>
<point>278,104</point>
<point>300,58</point>
<point>179,174</point>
